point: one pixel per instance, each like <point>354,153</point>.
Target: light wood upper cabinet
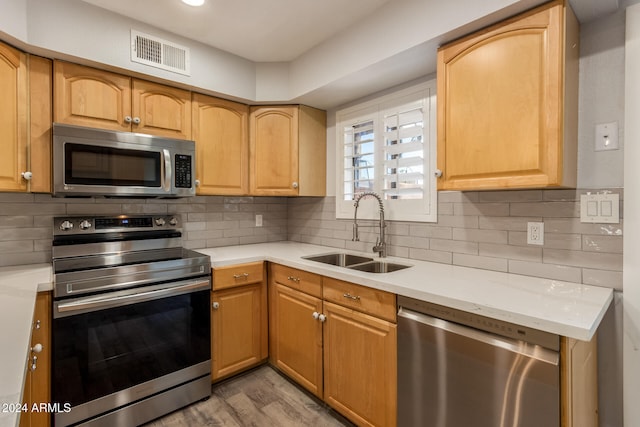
<point>89,97</point>
<point>25,121</point>
<point>13,118</point>
<point>220,129</point>
<point>162,110</point>
<point>507,104</point>
<point>239,328</point>
<point>37,388</point>
<point>287,149</point>
<point>40,116</point>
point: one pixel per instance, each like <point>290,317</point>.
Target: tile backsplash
<point>26,220</point>
<point>476,229</point>
<point>485,230</point>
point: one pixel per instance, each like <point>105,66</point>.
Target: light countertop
<point>569,309</point>
<point>18,288</point>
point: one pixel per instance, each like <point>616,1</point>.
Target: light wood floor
<point>259,398</point>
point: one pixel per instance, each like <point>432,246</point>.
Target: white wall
<point>13,19</point>
<point>75,29</point>
<point>601,99</point>
<point>631,268</point>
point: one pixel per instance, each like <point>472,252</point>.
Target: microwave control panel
<point>182,176</point>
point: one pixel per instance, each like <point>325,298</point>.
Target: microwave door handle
<point>168,170</point>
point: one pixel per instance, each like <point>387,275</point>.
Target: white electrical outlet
<point>258,220</point>
<point>535,233</point>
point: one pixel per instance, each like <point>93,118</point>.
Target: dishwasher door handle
<point>515,346</point>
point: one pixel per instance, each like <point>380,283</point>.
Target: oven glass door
<point>110,166</point>
<point>106,351</point>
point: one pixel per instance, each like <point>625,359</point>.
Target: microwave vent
<point>159,53</point>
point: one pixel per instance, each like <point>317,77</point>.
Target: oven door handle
<point>131,296</point>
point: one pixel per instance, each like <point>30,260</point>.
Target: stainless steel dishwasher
<point>458,369</point>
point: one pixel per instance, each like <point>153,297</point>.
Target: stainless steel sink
<point>339,259</point>
<point>356,262</point>
<point>379,267</point>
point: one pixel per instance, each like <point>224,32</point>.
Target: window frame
<point>415,210</point>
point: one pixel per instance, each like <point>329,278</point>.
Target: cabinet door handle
<point>316,315</point>
<point>37,325</point>
<point>37,348</point>
<point>294,184</point>
<point>128,119</point>
<point>353,297</point>
<point>438,173</point>
<point>294,279</point>
<point>322,318</point>
<point>239,276</point>
<point>27,176</point>
<point>136,120</point>
<point>215,305</point>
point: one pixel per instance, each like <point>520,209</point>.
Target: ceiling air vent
<point>159,53</point>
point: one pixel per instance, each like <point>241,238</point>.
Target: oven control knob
<point>160,222</point>
<point>173,221</point>
<point>85,225</point>
<point>66,225</point>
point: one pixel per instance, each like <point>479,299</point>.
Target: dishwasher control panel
<point>483,323</point>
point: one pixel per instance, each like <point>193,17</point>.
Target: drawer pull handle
<point>353,297</point>
<point>240,276</point>
<point>293,279</point>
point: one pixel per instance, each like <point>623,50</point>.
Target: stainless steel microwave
<point>95,162</point>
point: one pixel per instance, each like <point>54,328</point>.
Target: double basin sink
<point>356,262</point>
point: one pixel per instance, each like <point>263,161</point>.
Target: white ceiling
<point>274,30</point>
<point>258,30</point>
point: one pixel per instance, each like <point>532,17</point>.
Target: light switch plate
<point>607,136</point>
<point>600,208</point>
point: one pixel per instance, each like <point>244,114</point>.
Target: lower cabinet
<point>579,382</point>
<point>360,366</point>
<point>295,329</point>
<point>37,387</point>
<point>238,319</point>
<point>338,340</point>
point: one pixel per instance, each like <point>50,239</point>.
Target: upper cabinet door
<point>220,129</point>
<point>161,110</point>
<point>85,96</point>
<point>273,148</point>
<point>13,119</point>
<point>507,106</point>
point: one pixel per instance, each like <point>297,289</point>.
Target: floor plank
<point>260,398</point>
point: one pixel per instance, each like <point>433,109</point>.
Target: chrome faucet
<point>381,244</point>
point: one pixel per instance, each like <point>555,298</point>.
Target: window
<point>388,145</point>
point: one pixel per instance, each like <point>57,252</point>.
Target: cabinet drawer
<point>237,275</point>
<point>372,301</point>
<point>303,281</point>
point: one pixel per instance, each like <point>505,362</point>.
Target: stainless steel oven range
<point>131,326</point>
